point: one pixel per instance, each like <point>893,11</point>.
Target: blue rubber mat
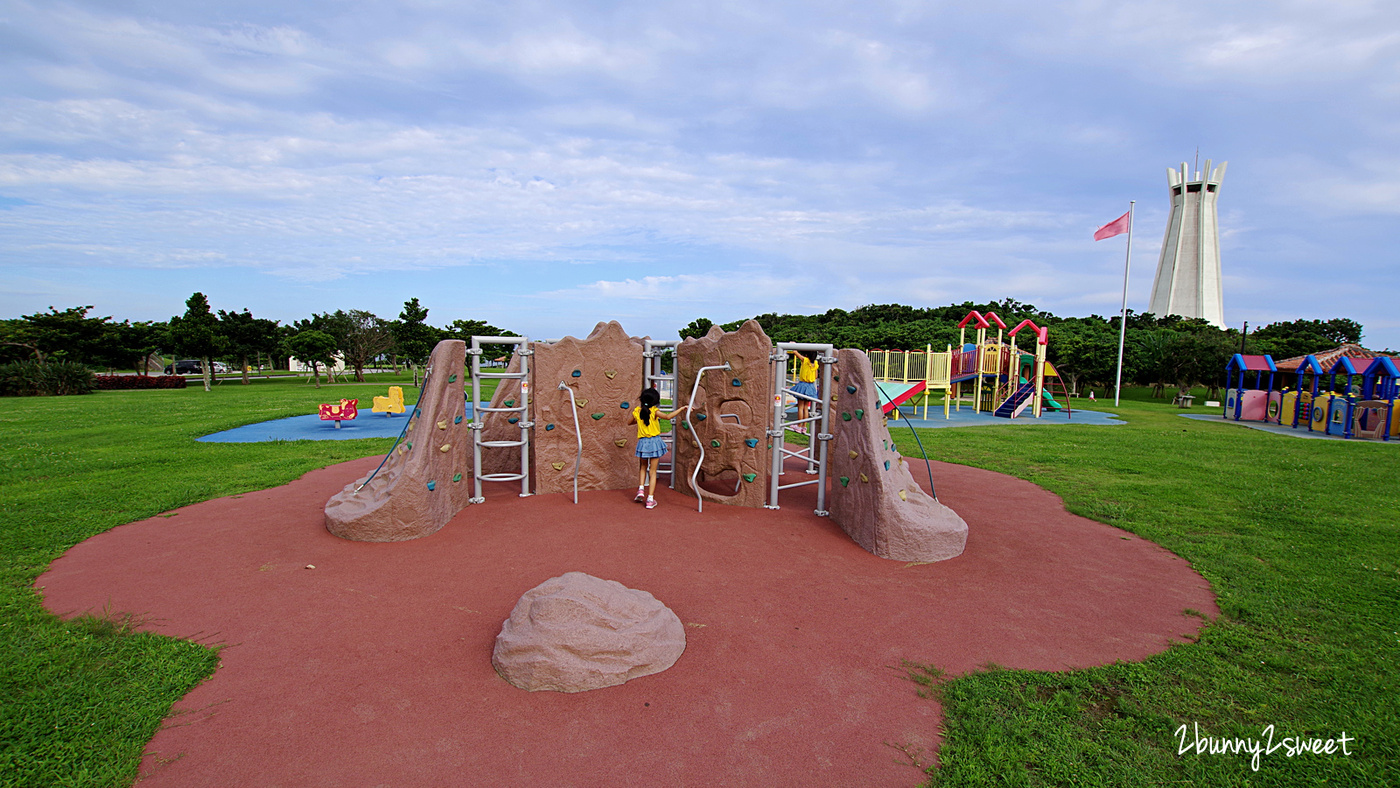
<point>311,428</point>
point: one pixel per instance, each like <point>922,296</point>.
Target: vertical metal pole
<point>823,436</point>
<point>524,351</point>
<point>476,424</point>
<point>775,432</point>
<point>1123,312</point>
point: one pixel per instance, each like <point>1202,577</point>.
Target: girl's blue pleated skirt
<point>651,447</point>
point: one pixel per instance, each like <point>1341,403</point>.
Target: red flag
<point>1116,227</point>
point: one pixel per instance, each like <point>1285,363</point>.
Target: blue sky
<point>546,165</point>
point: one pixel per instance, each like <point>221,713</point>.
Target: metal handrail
<point>573,408</point>
<point>690,423</point>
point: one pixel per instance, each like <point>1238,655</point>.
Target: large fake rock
<point>577,632</point>
<point>872,495</point>
<point>604,372</point>
<point>424,481</point>
<point>730,417</point>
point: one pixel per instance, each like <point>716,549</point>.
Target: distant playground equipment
<point>990,375</point>
<point>558,422</point>
<point>346,410</point>
<point>1359,405</point>
<point>391,404</point>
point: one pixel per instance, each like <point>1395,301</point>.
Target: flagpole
<point>1123,313</point>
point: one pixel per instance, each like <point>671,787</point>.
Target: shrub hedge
<point>114,382</point>
<point>56,378</point>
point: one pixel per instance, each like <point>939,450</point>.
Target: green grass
<point>1298,538</point>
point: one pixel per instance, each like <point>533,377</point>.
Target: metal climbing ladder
<point>523,352</point>
<point>820,421</point>
<point>653,373</point>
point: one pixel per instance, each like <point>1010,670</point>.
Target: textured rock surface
<point>871,493</point>
<point>735,449</point>
<point>577,632</point>
<point>609,367</point>
<point>424,481</point>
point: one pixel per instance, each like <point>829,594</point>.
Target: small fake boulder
<point>577,632</point>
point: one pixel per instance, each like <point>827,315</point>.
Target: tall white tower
<point>1188,272</point>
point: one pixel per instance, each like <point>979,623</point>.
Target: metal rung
<point>501,445</point>
<point>520,409</point>
<point>782,486</point>
<point>503,477</point>
<point>501,375</point>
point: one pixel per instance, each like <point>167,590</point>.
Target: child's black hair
<point>650,398</point>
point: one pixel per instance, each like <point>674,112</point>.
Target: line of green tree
<point>239,339</point>
<point>1158,351</point>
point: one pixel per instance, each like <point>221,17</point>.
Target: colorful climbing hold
<point>409,444</point>
<point>699,417</point>
<point>597,416</point>
<point>611,373</point>
<point>860,414</point>
<point>845,416</point>
<point>513,419</point>
<point>549,426</point>
<point>748,477</point>
<point>442,425</point>
<point>736,383</point>
<point>854,454</point>
<point>457,420</point>
<point>685,425</point>
<point>850,389</point>
<point>833,399</point>
<point>836,377</point>
<point>581,402</point>
<point>452,378</point>
<point>714,442</point>
<point>456,477</point>
<point>751,442</point>
<point>625,405</point>
<point>445,447</point>
<point>620,442</point>
<point>558,466</point>
<point>863,478</point>
<point>432,486</point>
<point>887,465</point>
<point>845,480</point>
<point>510,403</point>
<point>903,496</point>
<point>578,373</point>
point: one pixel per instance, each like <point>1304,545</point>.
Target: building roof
<point>1328,357</point>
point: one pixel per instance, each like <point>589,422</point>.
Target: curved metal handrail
<point>690,423</point>
<point>573,408</point>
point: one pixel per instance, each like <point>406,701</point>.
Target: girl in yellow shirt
<point>650,446</point>
<point>806,385</point>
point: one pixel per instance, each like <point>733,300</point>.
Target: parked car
<point>191,366</point>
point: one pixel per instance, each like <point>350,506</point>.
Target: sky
<point>544,164</point>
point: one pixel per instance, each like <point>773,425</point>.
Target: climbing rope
<point>927,464</point>
<point>427,375</point>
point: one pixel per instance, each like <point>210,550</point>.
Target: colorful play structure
<point>990,375</point>
<point>345,410</point>
<point>1350,397</point>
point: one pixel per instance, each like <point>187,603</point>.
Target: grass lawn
<point>1298,538</point>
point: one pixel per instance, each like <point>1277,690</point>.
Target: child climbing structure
<point>990,375</point>
<point>574,396</point>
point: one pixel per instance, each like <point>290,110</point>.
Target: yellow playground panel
<point>391,404</point>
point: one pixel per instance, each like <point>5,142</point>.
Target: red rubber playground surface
<point>373,668</point>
